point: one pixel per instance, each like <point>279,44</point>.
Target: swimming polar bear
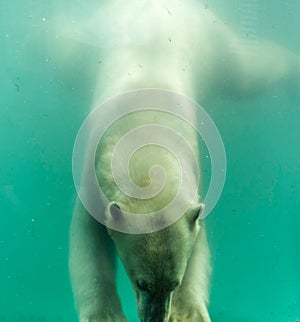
<point>183,47</point>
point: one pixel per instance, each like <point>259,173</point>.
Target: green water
<point>253,231</point>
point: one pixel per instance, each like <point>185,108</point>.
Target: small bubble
<point>46,60</point>
<point>44,19</point>
<point>32,220</point>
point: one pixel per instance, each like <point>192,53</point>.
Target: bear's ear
<point>196,213</point>
<point>114,211</point>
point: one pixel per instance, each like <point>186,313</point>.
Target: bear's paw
<point>193,315</point>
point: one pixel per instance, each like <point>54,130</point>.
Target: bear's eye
<point>173,285</point>
<point>142,285</point>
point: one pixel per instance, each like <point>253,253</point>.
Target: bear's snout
<point>156,310</point>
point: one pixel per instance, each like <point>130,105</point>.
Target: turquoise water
<point>253,231</point>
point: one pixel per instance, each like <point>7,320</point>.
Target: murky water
<point>253,232</point>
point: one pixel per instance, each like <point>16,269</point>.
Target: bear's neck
<point>131,77</point>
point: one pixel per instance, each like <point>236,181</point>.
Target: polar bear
<point>183,47</point>
<point>169,268</point>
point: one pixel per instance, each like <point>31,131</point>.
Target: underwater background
<point>254,232</point>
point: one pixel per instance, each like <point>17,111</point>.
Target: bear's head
<point>156,262</point>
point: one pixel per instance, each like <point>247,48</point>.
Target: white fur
<point>176,45</point>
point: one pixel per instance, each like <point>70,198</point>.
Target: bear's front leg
<point>107,310</point>
<point>92,269</point>
<point>190,299</point>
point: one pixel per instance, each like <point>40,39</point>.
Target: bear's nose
<point>158,310</point>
